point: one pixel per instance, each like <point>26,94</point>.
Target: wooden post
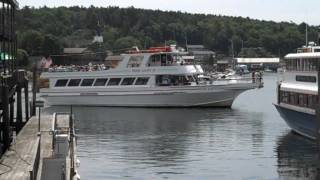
<point>34,90</point>
<point>5,116</point>
<point>11,109</point>
<point>26,99</point>
<point>19,123</point>
<point>318,112</point>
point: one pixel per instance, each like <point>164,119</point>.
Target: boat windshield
<point>166,60</point>
<point>175,80</point>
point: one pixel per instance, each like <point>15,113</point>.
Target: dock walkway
<point>24,160</point>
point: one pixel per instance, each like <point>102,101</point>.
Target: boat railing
<point>76,68</point>
<point>238,80</point>
<point>87,68</point>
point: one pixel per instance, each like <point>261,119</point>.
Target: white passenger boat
<point>150,78</point>
<point>298,90</point>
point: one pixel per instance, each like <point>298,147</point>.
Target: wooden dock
<point>30,151</point>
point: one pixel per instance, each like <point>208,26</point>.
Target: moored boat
<point>298,90</point>
<point>157,77</point>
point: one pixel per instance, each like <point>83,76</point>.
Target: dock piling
<point>26,99</point>
<point>5,118</point>
<point>318,112</point>
<point>19,122</point>
<point>34,90</point>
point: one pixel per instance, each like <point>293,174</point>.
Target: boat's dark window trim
<point>162,60</point>
<point>127,81</point>
<point>100,82</point>
<point>114,81</point>
<point>142,81</point>
<point>74,82</point>
<point>191,78</point>
<point>61,83</point>
<point>293,99</point>
<point>299,99</point>
<point>87,82</point>
<point>311,79</point>
<point>172,80</point>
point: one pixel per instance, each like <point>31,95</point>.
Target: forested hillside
<point>47,30</point>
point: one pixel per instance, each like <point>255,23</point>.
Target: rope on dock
<point>7,166</point>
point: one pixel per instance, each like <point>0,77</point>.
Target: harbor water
<point>249,141</point>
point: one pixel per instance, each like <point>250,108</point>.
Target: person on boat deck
<point>166,81</point>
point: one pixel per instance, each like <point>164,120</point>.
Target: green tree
<point>22,58</point>
<point>126,27</point>
<point>50,46</point>
<point>126,42</point>
<point>31,41</point>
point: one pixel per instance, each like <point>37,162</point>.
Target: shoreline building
<point>201,54</point>
<point>259,63</point>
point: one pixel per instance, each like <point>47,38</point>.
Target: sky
<point>297,11</point>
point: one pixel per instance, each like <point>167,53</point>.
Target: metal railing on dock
<point>36,162</point>
<point>50,154</point>
<point>62,163</point>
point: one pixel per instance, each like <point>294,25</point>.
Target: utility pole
<point>186,42</point>
<point>232,48</point>
<point>306,34</point>
<point>241,44</point>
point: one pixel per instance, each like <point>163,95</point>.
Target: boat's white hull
<point>215,97</point>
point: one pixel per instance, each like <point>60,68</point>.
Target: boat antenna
<point>186,42</point>
<point>232,48</point>
<point>319,36</point>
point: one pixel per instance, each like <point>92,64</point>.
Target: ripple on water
<point>250,141</point>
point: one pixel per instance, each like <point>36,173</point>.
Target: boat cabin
<point>299,85</point>
<point>136,69</point>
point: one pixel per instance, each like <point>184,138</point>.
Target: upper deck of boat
<point>306,52</point>
<point>134,63</point>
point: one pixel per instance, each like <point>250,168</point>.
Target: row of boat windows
<point>174,80</point>
<point>299,99</point>
<point>302,64</point>
<point>155,60</point>
<point>311,79</point>
<point>102,82</point>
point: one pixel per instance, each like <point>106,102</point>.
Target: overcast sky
<point>277,10</point>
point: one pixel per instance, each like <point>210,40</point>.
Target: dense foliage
<point>46,30</point>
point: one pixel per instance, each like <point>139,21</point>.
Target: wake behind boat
<point>157,77</point>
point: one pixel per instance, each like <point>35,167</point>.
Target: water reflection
<point>165,143</point>
<point>238,143</point>
<point>298,158</point>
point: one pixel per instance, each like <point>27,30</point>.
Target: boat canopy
<point>311,55</point>
<point>299,88</point>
